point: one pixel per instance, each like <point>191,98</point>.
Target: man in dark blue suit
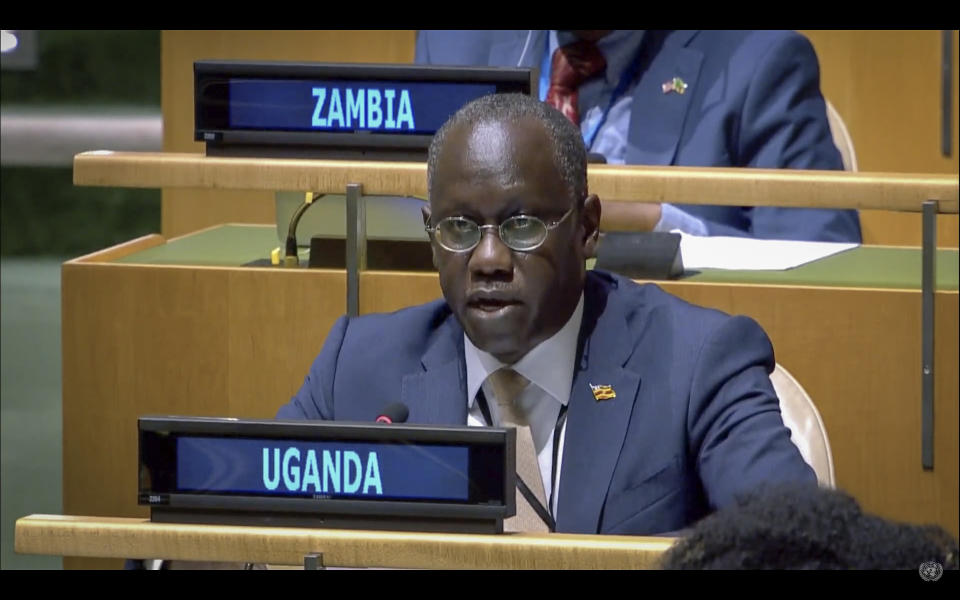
<point>646,412</point>
<point>690,98</point>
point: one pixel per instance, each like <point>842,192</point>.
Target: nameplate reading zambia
<point>384,107</point>
<point>336,110</point>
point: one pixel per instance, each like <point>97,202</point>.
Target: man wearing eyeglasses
<point>644,412</point>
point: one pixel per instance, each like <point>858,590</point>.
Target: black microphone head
<point>596,158</point>
<point>395,412</point>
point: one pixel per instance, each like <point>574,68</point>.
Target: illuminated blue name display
<point>417,108</point>
<point>343,471</point>
<point>363,109</point>
<point>322,469</point>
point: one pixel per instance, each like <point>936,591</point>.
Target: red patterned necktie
<point>571,65</point>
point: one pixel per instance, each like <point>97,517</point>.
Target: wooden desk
<point>148,330</point>
<point>180,334</point>
<point>124,538</point>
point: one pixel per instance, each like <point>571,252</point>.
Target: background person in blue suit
<point>690,98</point>
<point>687,418</point>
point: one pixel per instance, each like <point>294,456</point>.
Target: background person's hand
<point>629,216</point>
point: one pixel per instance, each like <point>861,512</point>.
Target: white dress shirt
<point>549,367</point>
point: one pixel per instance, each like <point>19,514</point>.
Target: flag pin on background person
<point>602,392</point>
<point>676,84</point>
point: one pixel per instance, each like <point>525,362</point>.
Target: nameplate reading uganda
<point>264,467</point>
<point>328,474</point>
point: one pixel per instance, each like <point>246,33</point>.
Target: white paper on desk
<point>748,254</point>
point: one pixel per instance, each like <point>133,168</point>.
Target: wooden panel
<point>54,534</point>
<point>857,353</point>
<point>174,340</point>
<point>129,349</point>
<point>386,291</point>
<point>947,417</point>
<point>886,85</point>
<point>175,170</point>
<point>189,210</point>
<point>124,249</point>
<point>883,227</point>
<point>772,187</point>
<point>690,185</point>
<point>279,320</point>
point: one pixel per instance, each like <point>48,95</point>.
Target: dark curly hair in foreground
<point>807,528</point>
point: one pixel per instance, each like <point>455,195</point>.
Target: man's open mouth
<point>491,304</point>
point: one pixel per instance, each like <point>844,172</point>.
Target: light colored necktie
<point>507,386</point>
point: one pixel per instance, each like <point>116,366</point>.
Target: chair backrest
<point>807,431</point>
<point>841,138</point>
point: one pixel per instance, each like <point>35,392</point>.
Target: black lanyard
<point>546,514</point>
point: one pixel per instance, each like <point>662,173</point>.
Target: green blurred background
<point>41,213</point>
<point>45,220</point>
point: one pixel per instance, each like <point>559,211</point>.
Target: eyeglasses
<point>521,233</point>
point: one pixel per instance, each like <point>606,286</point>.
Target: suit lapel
<point>656,117</point>
<point>507,47</point>
<point>596,429</point>
<point>437,394</point>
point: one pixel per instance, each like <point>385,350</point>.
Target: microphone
<point>596,158</point>
<point>290,258</point>
<point>395,412</point>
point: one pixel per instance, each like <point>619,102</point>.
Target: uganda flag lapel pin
<point>602,392</point>
<point>676,84</point>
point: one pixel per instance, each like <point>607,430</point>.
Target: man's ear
<point>425,211</point>
<point>590,220</point>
